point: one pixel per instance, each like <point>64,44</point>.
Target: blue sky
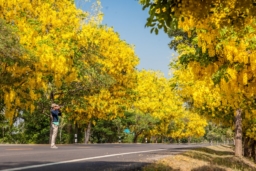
<point>128,19</point>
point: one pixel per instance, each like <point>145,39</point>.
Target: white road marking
<point>33,152</point>
<point>77,160</point>
<point>19,149</point>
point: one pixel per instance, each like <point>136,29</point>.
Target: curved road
<point>95,157</point>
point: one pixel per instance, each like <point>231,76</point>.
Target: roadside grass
<point>213,158</point>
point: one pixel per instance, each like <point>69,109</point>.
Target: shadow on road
<point>77,166</point>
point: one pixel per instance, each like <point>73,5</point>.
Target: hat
<point>53,105</point>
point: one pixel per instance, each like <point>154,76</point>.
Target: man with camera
<point>55,113</point>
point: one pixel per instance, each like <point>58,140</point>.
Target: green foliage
<point>10,49</point>
<point>109,131</point>
<point>220,74</point>
<point>158,18</point>
<point>10,55</point>
<point>36,128</point>
<point>182,42</point>
<point>141,125</point>
<point>11,133</point>
<point>104,131</point>
<point>218,133</point>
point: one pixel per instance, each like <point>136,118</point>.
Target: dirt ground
<point>213,158</point>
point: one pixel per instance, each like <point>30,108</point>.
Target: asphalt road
<point>96,157</point>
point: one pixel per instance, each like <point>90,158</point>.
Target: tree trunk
<point>52,100</point>
<point>238,133</point>
<point>247,147</point>
<point>76,134</point>
<point>60,133</point>
<point>87,134</point>
<point>135,138</point>
<point>69,130</point>
<point>50,138</point>
<point>253,154</point>
<point>189,140</point>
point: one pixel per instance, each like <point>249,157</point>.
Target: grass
<point>213,158</point>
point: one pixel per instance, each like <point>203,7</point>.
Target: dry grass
<point>214,158</point>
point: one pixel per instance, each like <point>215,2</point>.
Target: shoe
<point>54,147</point>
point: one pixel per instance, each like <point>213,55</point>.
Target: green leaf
<point>151,31</point>
<point>159,26</point>
<point>165,29</point>
<point>152,25</point>
<point>226,78</point>
<point>145,6</point>
<point>156,31</point>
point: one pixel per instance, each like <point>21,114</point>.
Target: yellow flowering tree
<point>223,48</point>
<point>46,29</point>
<point>156,97</point>
<point>210,101</point>
<point>116,61</point>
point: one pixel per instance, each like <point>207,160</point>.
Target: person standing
<point>55,113</point>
